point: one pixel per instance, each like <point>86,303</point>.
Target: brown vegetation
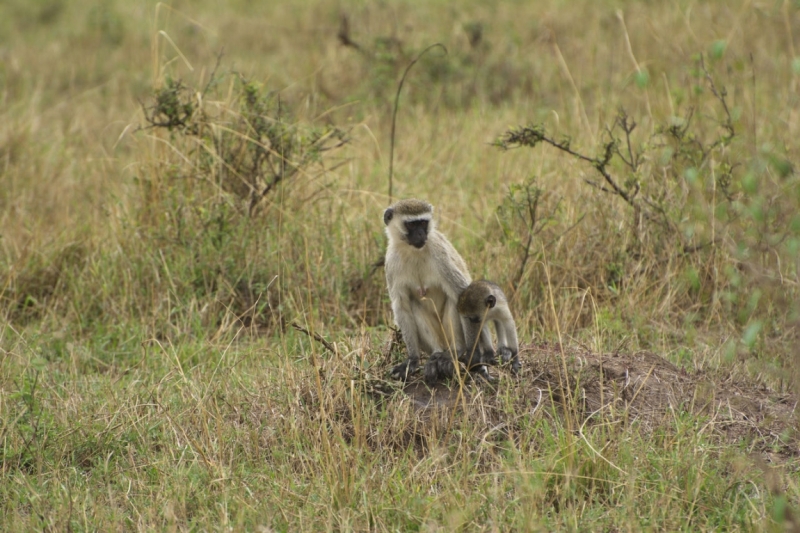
<point>181,183</point>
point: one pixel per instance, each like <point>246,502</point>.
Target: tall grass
<point>151,265</point>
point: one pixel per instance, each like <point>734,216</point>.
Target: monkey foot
<point>404,370</point>
<point>439,367</point>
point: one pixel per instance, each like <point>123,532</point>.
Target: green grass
<point>210,435</point>
<point>150,376</point>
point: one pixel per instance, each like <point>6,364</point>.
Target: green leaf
<point>757,210</point>
<point>730,351</point>
<point>641,78</point>
<point>779,509</point>
<point>717,49</point>
<point>751,333</point>
<point>693,278</point>
<point>781,165</point>
<point>750,183</point>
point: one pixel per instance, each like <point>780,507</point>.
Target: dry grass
<point>149,377</point>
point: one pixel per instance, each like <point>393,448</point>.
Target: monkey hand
<point>508,355</point>
<point>471,358</point>
<point>477,358</point>
<point>489,357</point>
<point>405,370</point>
<point>481,371</point>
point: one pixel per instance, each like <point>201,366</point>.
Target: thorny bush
<point>246,146</point>
<point>713,223</point>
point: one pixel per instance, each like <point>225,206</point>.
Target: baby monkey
<point>481,302</point>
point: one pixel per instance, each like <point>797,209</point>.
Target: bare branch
<point>316,336</point>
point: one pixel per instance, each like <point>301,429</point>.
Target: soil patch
<point>639,387</point>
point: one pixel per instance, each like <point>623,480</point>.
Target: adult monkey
<point>425,276</point>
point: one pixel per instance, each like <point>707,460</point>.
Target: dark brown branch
<point>697,247</point>
<point>533,205</point>
<point>316,336</point>
<point>533,135</point>
<point>213,74</point>
<point>627,125</point>
<point>344,35</point>
<point>720,95</point>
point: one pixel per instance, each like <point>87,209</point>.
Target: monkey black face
<point>416,232</point>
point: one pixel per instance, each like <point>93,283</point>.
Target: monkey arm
<point>404,317</point>
<point>471,335</point>
<point>507,331</point>
<point>486,346</point>
<point>507,342</point>
<point>478,348</point>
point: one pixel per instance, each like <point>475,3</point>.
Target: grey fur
<point>424,285</point>
<point>481,303</point>
<point>411,207</point>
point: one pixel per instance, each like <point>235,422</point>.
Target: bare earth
<point>641,388</point>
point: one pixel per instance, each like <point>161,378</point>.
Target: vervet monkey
<point>481,303</point>
<point>425,276</point>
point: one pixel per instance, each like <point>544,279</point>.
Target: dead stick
<point>316,336</point>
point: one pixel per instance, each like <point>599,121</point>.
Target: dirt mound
<point>640,387</point>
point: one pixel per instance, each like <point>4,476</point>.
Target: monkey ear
<point>490,301</point>
<point>387,216</point>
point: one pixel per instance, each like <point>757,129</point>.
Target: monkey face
<point>416,232</point>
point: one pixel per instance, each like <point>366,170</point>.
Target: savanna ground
<point>190,203</point>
